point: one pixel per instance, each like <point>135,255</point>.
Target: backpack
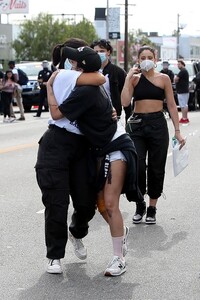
<point>23,78</point>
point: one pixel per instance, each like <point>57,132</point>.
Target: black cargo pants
<point>62,170</point>
<point>150,135</point>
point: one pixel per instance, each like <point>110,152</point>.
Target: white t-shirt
<point>63,84</point>
<point>14,71</point>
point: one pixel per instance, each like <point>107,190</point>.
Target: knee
<point>110,207</point>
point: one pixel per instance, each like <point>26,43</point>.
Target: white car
<point>30,91</point>
<point>192,68</point>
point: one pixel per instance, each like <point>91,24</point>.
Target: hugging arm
<point>94,78</point>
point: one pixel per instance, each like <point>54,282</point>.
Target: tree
<point>136,39</point>
<point>39,35</point>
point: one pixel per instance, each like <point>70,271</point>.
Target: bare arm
<point>128,89</point>
<point>53,106</point>
<point>94,78</point>
<point>171,105</point>
<point>176,79</point>
<point>16,77</point>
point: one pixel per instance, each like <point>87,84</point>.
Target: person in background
<point>1,74</point>
<point>115,76</point>
<point>1,77</point>
<point>166,70</point>
<point>43,77</point>
<point>182,88</point>
<point>18,94</point>
<point>197,82</point>
<point>8,88</point>
<point>148,127</point>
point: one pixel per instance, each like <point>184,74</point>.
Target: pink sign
<point>14,6</point>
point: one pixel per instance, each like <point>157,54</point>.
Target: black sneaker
<point>140,212</point>
<point>151,215</point>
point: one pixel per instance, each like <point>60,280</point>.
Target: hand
<point>181,140</point>
<point>114,115</point>
<point>53,76</point>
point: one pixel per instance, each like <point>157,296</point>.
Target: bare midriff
<point>148,106</point>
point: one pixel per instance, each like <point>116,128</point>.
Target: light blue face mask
<point>67,65</point>
<point>102,56</point>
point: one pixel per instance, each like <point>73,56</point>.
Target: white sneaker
<point>5,120</point>
<point>54,266</point>
<point>125,246</point>
<point>116,267</point>
<point>11,119</point>
<point>79,248</point>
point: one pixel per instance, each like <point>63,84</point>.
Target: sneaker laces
<point>116,261</point>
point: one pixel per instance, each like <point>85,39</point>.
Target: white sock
<point>117,246</point>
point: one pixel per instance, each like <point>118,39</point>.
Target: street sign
<point>114,22</point>
<point>114,35</point>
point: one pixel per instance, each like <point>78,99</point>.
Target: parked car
<point>30,91</point>
<point>192,68</point>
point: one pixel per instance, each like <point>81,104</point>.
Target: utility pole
<point>177,37</point>
<point>126,37</point>
<point>126,48</point>
<point>107,21</point>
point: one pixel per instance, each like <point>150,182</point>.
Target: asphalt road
<point>163,262</point>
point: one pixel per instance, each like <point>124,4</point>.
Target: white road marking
<point>40,211</point>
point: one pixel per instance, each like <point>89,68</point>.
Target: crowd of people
<point>11,91</point>
<point>10,88</point>
<point>88,154</point>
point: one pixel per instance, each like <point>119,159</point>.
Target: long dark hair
<point>146,47</point>
<point>6,75</point>
<point>58,56</point>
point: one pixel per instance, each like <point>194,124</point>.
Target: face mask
<point>45,65</point>
<point>102,56</point>
<point>147,65</point>
<point>67,65</point>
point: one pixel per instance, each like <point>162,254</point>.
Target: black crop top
<point>147,90</point>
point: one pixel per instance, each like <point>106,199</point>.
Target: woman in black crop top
<point>148,127</point>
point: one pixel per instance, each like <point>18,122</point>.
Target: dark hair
<point>104,44</point>
<point>6,75</point>
<point>181,61</point>
<point>146,47</point>
<point>11,62</point>
<point>58,56</point>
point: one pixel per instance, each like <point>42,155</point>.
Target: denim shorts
<point>183,99</point>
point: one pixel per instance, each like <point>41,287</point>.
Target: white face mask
<point>67,65</point>
<point>102,56</point>
<point>147,65</point>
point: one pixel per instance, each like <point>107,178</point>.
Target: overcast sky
<point>154,15</point>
